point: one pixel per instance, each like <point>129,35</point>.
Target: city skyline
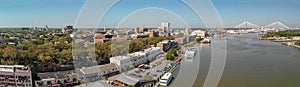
<point>57,14</point>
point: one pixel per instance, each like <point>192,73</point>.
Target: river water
<point>253,63</point>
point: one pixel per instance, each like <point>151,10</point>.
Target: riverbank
<point>289,41</point>
<point>292,44</point>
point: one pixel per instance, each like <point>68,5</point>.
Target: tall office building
<point>164,29</point>
<point>165,26</point>
<point>47,28</point>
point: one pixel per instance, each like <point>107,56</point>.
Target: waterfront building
<point>15,76</point>
<point>199,33</point>
<point>127,62</point>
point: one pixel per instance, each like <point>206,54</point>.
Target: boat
<point>166,79</point>
<point>190,53</point>
<point>206,40</point>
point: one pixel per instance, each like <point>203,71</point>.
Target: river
<point>253,63</point>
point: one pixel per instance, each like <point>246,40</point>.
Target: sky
<point>147,13</point>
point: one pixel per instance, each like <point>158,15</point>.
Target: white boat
<point>190,53</point>
<point>206,40</point>
<point>166,79</point>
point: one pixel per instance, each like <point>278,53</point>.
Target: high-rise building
<point>165,26</point>
<point>15,76</point>
<point>164,29</point>
<point>47,28</point>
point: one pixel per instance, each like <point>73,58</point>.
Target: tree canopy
<point>57,50</point>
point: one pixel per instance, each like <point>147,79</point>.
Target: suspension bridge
<point>275,26</point>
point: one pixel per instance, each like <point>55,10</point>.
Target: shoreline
<point>291,44</point>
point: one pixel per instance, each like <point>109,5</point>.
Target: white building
<point>132,60</point>
<point>152,52</point>
<point>124,63</point>
<point>165,26</point>
<point>199,33</point>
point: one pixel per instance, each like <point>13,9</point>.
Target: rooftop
<point>165,41</point>
<point>120,57</point>
<point>14,68</point>
<point>107,67</point>
<point>97,69</point>
<point>135,54</point>
<point>57,75</point>
<point>128,79</point>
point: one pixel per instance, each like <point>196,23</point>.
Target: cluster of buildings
<point>102,37</point>
<point>16,38</point>
<point>56,79</point>
<point>105,35</point>
<point>118,64</point>
<point>22,76</point>
<point>190,36</point>
<point>11,40</point>
<point>184,40</point>
<point>15,76</point>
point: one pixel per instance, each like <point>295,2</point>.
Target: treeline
<point>55,50</point>
<point>284,34</point>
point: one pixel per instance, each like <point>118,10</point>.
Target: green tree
<point>198,39</point>
<point>10,54</point>
<point>130,86</point>
<point>170,56</point>
<point>45,59</point>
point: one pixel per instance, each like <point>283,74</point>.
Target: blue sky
<point>58,13</point>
